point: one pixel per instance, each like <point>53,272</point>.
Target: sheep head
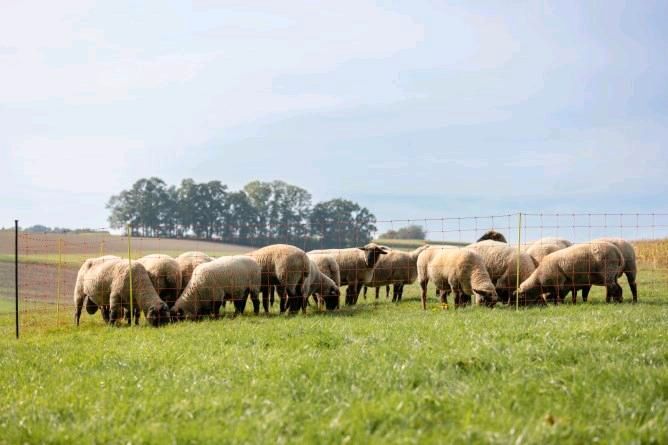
<point>158,314</point>
<point>372,253</point>
<point>493,235</point>
<point>487,293</point>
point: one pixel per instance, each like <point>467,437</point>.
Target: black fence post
<point>16,273</point>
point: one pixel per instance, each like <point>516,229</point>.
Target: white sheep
<point>165,274</point>
<point>461,271</point>
<point>106,283</point>
<point>572,268</point>
<point>285,267</point>
<point>540,248</point>
<point>321,287</point>
<point>229,278</point>
<point>356,265</point>
<point>500,259</point>
<point>396,268</point>
<point>188,261</point>
<point>425,257</point>
<point>630,268</point>
<point>327,264</point>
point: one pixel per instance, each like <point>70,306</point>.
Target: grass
<point>376,373</point>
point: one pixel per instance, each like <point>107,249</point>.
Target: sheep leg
<point>104,310</point>
<point>377,292</point>
<point>256,302</point>
<point>357,290</point>
<point>78,303</point>
<point>423,294</point>
<point>387,291</point>
<point>272,290</point>
<point>631,278</point>
<point>585,293</point>
<point>240,304</point>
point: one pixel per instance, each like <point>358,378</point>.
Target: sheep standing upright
<point>356,265</point>
<point>229,278</point>
<point>165,274</point>
<point>461,271</point>
<point>396,268</point>
<point>500,260</point>
<point>572,268</point>
<point>107,283</point>
<point>285,267</point>
<point>187,262</point>
<point>424,258</point>
<point>630,268</point>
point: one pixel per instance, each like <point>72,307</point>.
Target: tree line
<point>261,213</point>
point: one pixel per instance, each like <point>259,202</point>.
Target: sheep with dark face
<point>106,283</point>
<point>356,265</point>
<point>230,278</point>
<point>494,236</point>
<point>287,268</point>
<point>501,263</point>
<point>396,268</point>
<point>165,274</point>
<point>572,268</point>
<point>461,271</point>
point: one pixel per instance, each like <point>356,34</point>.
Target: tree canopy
<point>261,213</point>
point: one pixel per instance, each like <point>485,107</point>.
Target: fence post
<point>59,278</point>
<point>129,232</point>
<point>519,251</point>
<point>16,274</point>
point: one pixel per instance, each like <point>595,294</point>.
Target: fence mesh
<point>49,262</point>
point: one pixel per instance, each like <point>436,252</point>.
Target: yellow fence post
<point>102,248</point>
<point>519,251</point>
<point>129,232</point>
<point>59,278</point>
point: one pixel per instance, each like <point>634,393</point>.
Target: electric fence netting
<point>49,263</point>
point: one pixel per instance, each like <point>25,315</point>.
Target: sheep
<point>286,267</point>
<point>397,268</point>
<point>539,249</point>
<point>356,265</point>
<point>572,268</point>
<point>492,235</point>
<point>187,262</point>
<point>91,306</point>
<point>630,267</point>
<point>165,274</point>
<point>501,262</point>
<point>323,288</point>
<point>461,271</point>
<point>425,257</point>
<point>327,264</point>
<point>229,278</point>
<point>105,282</point>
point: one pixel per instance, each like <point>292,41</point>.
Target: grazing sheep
<point>630,267</point>
<point>493,235</point>
<point>327,264</point>
<point>322,287</point>
<point>165,274</point>
<point>573,268</point>
<point>228,278</point>
<point>105,282</point>
<point>501,262</point>
<point>356,265</point>
<point>397,268</point>
<point>539,249</point>
<point>91,306</point>
<point>188,261</point>
<point>461,271</point>
<point>286,267</point>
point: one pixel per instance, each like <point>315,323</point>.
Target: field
<point>376,373</point>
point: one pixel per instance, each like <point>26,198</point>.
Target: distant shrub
<point>408,232</point>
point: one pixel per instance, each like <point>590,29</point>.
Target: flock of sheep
<point>194,285</point>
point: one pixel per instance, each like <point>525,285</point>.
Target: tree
<point>408,232</point>
<point>341,223</point>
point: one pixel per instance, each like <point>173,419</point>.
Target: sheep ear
<point>363,249</point>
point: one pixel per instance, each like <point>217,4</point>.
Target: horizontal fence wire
<point>49,262</point>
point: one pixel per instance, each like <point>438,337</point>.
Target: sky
<point>414,109</point>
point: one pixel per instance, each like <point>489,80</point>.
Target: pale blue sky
<point>414,109</point>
